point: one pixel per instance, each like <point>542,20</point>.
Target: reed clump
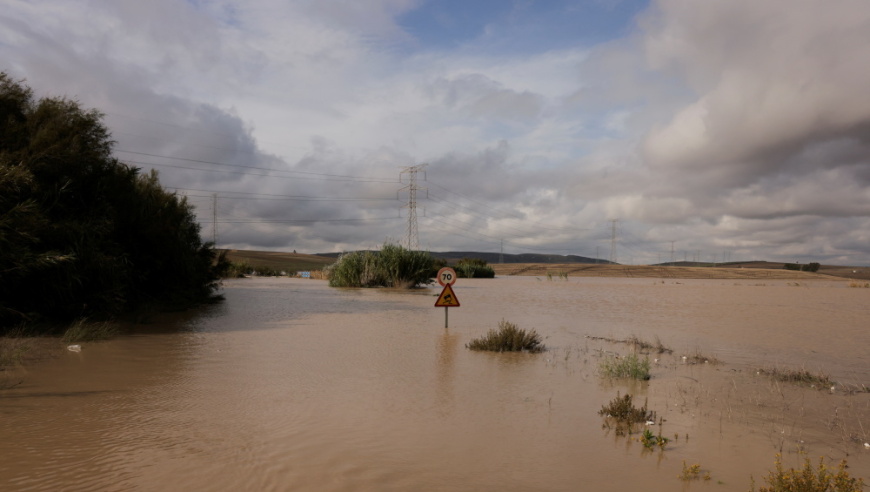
<point>630,366</point>
<point>809,478</point>
<point>508,338</point>
<point>392,266</point>
<point>800,376</point>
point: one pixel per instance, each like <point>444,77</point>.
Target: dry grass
<point>810,479</point>
<point>800,376</point>
<point>508,338</point>
<point>649,271</point>
<point>288,262</point>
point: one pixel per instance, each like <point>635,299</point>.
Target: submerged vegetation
<point>630,366</point>
<point>800,376</point>
<point>392,266</point>
<point>810,479</point>
<point>508,338</point>
<point>621,410</point>
<point>83,330</point>
<point>82,234</point>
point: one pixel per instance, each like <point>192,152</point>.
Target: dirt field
<point>646,271</point>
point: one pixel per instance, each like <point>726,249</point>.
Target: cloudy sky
<point>708,130</point>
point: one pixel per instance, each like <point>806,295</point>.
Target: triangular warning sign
<point>447,298</point>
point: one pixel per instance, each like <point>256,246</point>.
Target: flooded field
<point>291,385</point>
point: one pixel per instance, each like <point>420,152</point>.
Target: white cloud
<point>720,124</point>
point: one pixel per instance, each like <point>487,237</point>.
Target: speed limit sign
<point>446,276</point>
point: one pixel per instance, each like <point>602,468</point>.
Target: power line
<point>269,169</point>
<point>259,196</point>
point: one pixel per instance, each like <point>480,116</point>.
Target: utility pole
<point>672,253</point>
<point>214,230</point>
<point>501,252</point>
<point>413,235</point>
<point>613,240</point>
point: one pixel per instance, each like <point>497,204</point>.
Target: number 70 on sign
<point>446,276</point>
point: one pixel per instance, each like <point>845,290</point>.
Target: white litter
<point>74,348</point>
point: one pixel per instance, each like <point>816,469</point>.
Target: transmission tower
<point>413,235</point>
<point>613,240</point>
<point>214,227</point>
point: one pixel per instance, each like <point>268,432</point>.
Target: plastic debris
<point>74,348</point>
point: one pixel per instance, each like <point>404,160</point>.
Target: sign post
<point>447,299</point>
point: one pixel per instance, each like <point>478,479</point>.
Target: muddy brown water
<point>291,385</point>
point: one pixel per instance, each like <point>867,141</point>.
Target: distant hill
<point>525,264</point>
<point>454,256</point>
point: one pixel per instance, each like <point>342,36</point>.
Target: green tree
<point>82,234</point>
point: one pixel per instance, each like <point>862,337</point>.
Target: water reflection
<point>448,345</point>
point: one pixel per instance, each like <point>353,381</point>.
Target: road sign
<point>446,276</point>
<point>447,298</point>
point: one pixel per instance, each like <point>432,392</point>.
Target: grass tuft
<point>85,331</point>
<point>630,366</point>
<point>692,472</point>
<point>508,338</point>
<point>810,479</point>
<point>802,376</point>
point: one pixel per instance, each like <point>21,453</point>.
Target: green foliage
<point>81,234</point>
<point>811,479</point>
<point>809,267</point>
<point>630,366</point>
<point>473,268</point>
<point>651,440</point>
<point>392,266</point>
<point>508,338</point>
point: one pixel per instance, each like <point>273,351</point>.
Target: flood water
<point>292,385</point>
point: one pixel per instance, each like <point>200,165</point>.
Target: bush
<point>809,267</point>
<point>811,479</point>
<point>508,338</point>
<point>630,366</point>
<point>473,268</point>
<point>393,266</point>
<point>82,234</point>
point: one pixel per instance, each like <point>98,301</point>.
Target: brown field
<point>676,272</point>
<point>289,262</point>
<point>294,262</point>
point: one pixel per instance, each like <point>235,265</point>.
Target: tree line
<point>83,235</point>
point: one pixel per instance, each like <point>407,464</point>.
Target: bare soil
<point>650,271</point>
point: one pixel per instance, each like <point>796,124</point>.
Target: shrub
<point>809,267</point>
<point>622,415</point>
<point>393,266</point>
<point>508,338</point>
<point>82,234</point>
<point>473,268</point>
<point>630,366</point>
<point>622,409</point>
<point>810,479</point>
